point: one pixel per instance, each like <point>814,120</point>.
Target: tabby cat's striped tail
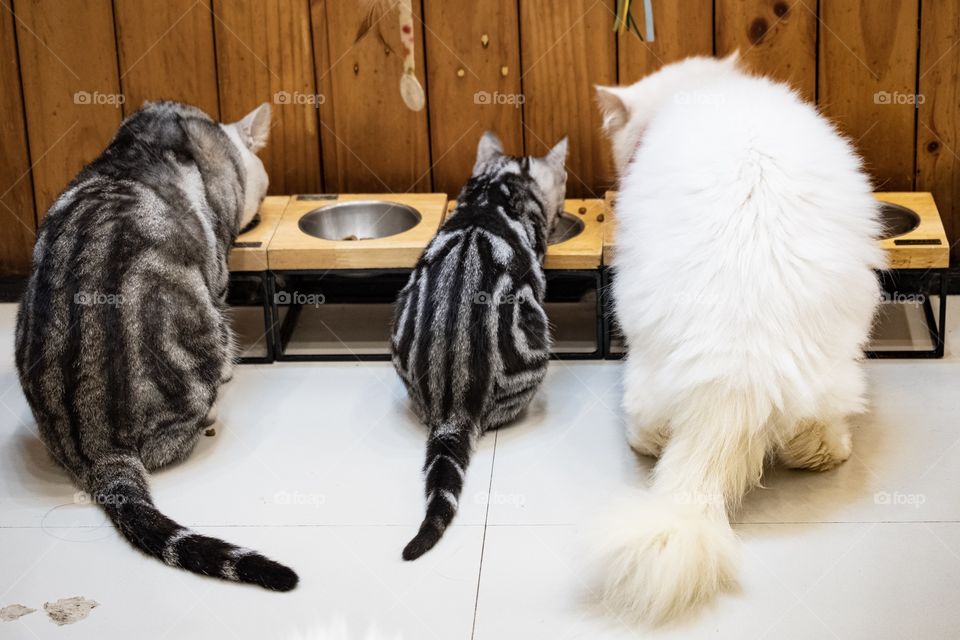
<point>448,453</point>
<point>119,485</point>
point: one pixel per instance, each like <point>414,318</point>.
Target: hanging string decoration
<point>411,91</point>
<point>624,20</point>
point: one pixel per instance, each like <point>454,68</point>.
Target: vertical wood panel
<point>868,60</point>
<point>265,54</point>
<point>938,132</point>
<point>683,29</point>
<point>468,91</point>
<point>566,49</point>
<point>166,52</point>
<point>68,61</point>
<point>17,217</point>
<point>371,141</point>
<point>777,38</point>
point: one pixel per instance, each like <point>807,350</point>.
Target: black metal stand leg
<point>941,338</point>
<point>266,304</point>
<point>599,333</point>
<point>268,311</point>
<point>285,330</point>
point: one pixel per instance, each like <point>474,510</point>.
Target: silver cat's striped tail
<point>119,485</point>
<point>448,454</point>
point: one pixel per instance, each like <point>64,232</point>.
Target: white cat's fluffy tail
<point>659,558</point>
<point>664,553</point>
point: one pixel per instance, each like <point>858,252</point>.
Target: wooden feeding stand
<point>918,254</point>
<point>251,283</point>
<point>919,257</point>
<point>337,263</point>
<point>572,268</point>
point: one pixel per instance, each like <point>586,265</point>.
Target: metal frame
<point>909,281</point>
<point>924,282</point>
<point>283,330</point>
<point>266,290</point>
<point>608,317</point>
<point>595,278</point>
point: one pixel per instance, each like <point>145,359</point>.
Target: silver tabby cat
<point>470,336</point>
<point>122,337</point>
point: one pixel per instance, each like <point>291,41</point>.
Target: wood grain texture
<point>868,60</point>
<point>777,38</point>
<point>265,54</point>
<point>584,250</point>
<point>468,91</point>
<point>17,215</point>
<point>166,53</point>
<point>249,252</point>
<point>683,29</point>
<point>68,61</point>
<point>371,141</point>
<point>938,129</point>
<point>566,49</point>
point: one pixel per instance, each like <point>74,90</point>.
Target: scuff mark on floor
<point>69,610</point>
<point>14,611</point>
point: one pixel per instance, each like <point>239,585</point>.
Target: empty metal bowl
<point>568,226</point>
<point>897,220</point>
<point>359,220</point>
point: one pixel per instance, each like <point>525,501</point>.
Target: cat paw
<point>818,447</point>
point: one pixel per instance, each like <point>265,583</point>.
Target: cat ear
<point>612,107</point>
<point>490,147</point>
<point>255,127</point>
<point>733,60</point>
<point>557,157</point>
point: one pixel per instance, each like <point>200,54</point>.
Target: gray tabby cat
<point>470,336</point>
<point>122,336</point>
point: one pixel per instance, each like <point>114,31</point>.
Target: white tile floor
<point>318,465</point>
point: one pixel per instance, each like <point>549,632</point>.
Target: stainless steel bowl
<point>897,220</point>
<point>568,226</point>
<point>359,220</point>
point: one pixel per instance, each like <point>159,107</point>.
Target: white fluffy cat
<point>745,288</point>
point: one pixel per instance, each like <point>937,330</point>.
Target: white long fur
<point>745,289</point>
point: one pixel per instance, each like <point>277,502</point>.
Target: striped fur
<point>122,338</point>
<point>470,336</point>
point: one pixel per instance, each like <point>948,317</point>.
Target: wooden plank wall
<point>888,74</point>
